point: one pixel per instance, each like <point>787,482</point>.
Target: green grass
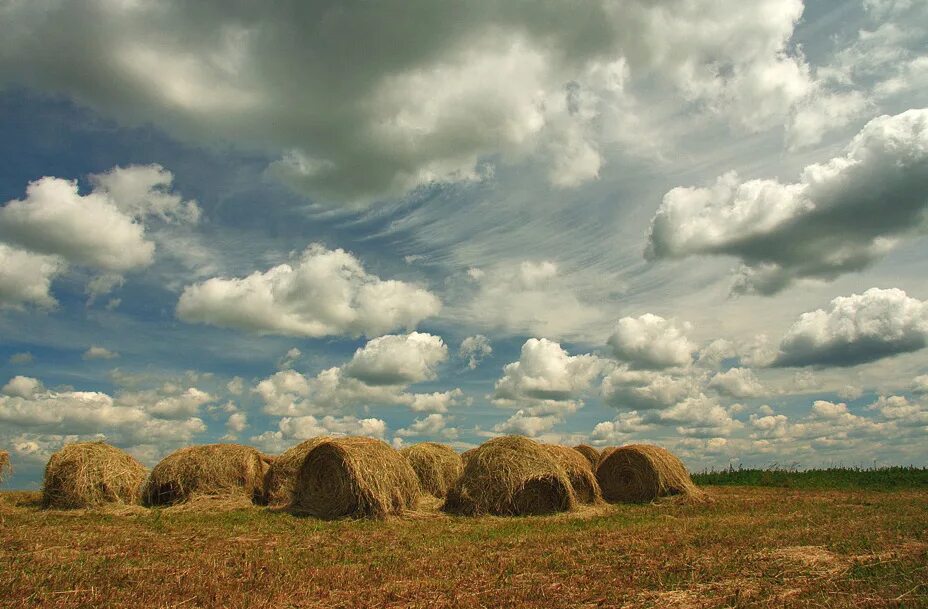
<point>838,478</point>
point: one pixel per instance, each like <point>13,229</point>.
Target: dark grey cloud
<point>841,216</point>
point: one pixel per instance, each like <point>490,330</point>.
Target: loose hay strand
<point>639,473</point>
<point>511,476</point>
<point>91,474</point>
<point>437,466</point>
<point>280,481</point>
<point>355,477</point>
<point>212,470</point>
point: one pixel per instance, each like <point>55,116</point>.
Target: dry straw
<point>355,477</point>
<point>639,473</point>
<point>6,468</point>
<point>578,469</point>
<point>91,474</point>
<point>228,470</point>
<point>281,477</point>
<point>511,476</point>
<point>589,453</point>
<point>437,466</point>
<point>466,455</point>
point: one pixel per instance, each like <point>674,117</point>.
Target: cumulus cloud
<point>22,387</point>
<point>97,352</point>
<point>650,341</point>
<point>26,278</point>
<point>834,220</point>
<point>524,423</point>
<point>398,359</point>
<point>433,425</point>
<point>292,430</point>
<point>545,375</point>
<point>89,412</point>
<point>856,329</point>
<point>378,373</point>
<point>643,389</point>
<point>326,293</point>
<point>475,348</point>
<point>737,383</point>
<point>419,106</point>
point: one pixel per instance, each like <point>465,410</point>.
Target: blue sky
<point>697,225</point>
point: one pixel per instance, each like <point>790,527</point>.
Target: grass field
<point>849,478</point>
<point>747,547</point>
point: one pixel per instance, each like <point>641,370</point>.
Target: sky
<point>697,224</point>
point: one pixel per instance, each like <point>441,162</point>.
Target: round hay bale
<point>355,477</point>
<point>578,469</point>
<point>639,473</point>
<point>467,454</point>
<point>437,466</point>
<point>212,470</point>
<point>91,474</point>
<point>589,453</point>
<point>511,476</point>
<point>281,477</point>
<point>6,468</point>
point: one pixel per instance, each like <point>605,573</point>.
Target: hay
<point>466,455</point>
<point>578,470</point>
<point>589,453</point>
<point>511,476</point>
<point>355,477</point>
<point>437,466</point>
<point>91,474</point>
<point>6,468</point>
<point>639,473</point>
<point>227,470</point>
<point>281,477</point>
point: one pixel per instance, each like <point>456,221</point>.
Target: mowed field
<point>749,546</point>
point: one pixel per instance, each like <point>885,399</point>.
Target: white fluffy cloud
<point>434,425</point>
<point>856,329</point>
<point>643,389</point>
<point>97,352</point>
<point>377,374</point>
<point>420,105</point>
<point>834,220</point>
<point>292,430</point>
<point>88,413</point>
<point>475,348</point>
<point>545,373</point>
<point>26,278</point>
<point>22,387</point>
<point>327,292</point>
<point>737,383</point>
<point>398,359</point>
<point>524,423</point>
<point>650,341</point>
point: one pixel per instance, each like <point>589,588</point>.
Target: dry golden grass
<point>227,470</point>
<point>281,477</point>
<point>90,474</point>
<point>437,466</point>
<point>751,547</point>
<point>511,476</point>
<point>355,477</point>
<point>639,473</point>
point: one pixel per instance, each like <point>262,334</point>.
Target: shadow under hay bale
<point>589,453</point>
<point>355,477</point>
<point>639,473</point>
<point>91,474</point>
<point>211,470</point>
<point>281,477</point>
<point>579,472</point>
<point>6,467</point>
<point>511,476</point>
<point>437,466</point>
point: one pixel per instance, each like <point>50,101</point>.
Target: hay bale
<point>355,477</point>
<point>91,474</point>
<point>639,473</point>
<point>6,467</point>
<point>281,477</point>
<point>511,476</point>
<point>589,453</point>
<point>437,466</point>
<point>579,471</point>
<point>467,454</point>
<point>228,470</point>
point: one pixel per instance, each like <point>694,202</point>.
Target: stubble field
<point>746,547</point>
